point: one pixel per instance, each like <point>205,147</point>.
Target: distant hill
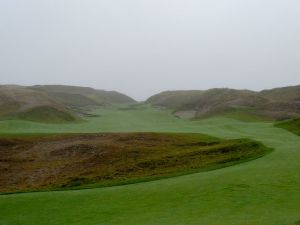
<point>53,103</point>
<point>284,94</point>
<point>60,103</point>
<point>279,103</point>
<point>74,96</point>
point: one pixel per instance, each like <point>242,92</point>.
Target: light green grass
<point>109,120</point>
<point>265,191</point>
<point>245,115</point>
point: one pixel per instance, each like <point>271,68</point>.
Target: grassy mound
<point>290,125</point>
<point>109,159</point>
<point>276,104</point>
<point>82,96</point>
<point>54,103</point>
<point>47,114</point>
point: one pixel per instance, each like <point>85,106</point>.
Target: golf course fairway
<point>265,191</point>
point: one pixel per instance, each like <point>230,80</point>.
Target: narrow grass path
<point>265,191</point>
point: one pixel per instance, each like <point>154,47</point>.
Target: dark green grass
<point>292,125</point>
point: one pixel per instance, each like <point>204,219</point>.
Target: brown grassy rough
<point>72,160</point>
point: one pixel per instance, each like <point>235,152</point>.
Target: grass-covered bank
<point>292,125</point>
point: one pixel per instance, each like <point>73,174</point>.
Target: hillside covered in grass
<point>35,163</point>
<point>274,104</point>
<point>59,103</point>
<point>53,103</point>
<point>292,125</point>
<point>74,96</point>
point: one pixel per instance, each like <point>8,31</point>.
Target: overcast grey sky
<point>141,47</point>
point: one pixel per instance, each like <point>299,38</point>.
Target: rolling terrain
<point>131,143</point>
<point>53,103</point>
<point>263,191</point>
<point>59,103</point>
<point>73,96</point>
<point>274,104</point>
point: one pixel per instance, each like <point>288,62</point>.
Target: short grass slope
<point>48,114</point>
<point>35,163</point>
<point>290,125</point>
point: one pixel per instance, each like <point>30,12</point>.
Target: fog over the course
<point>141,47</point>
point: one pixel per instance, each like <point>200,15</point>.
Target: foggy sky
<point>141,47</point>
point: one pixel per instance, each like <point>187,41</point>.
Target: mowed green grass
<point>265,191</point>
<point>113,119</point>
<point>108,120</point>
